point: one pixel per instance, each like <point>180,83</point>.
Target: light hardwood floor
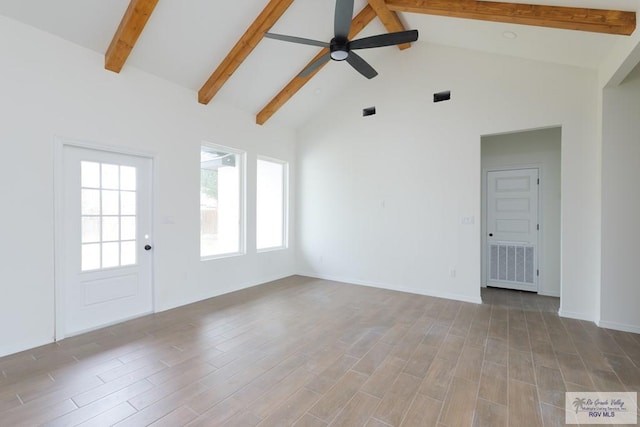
<point>308,352</point>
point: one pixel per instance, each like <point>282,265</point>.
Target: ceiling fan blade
<point>298,40</point>
<point>342,21</point>
<point>389,39</point>
<point>361,65</point>
<point>315,65</point>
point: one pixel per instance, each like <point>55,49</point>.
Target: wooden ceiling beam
<point>249,40</point>
<point>568,18</point>
<point>360,21</point>
<point>389,19</point>
<point>126,36</point>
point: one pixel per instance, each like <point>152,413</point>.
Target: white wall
<point>620,296</point>
<point>535,148</point>
<point>381,199</point>
<point>51,88</point>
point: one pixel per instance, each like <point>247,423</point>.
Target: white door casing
<point>105,239</point>
<point>512,229</point>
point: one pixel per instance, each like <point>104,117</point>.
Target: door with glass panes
<point>106,224</point>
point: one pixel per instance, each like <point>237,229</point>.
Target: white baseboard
<point>351,281</point>
<point>573,315</point>
<point>24,346</point>
<point>619,326</point>
<point>227,290</point>
<point>549,294</point>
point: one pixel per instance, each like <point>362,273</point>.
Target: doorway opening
<point>521,205</point>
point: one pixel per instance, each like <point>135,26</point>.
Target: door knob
<point>147,247</point>
<point>490,234</point>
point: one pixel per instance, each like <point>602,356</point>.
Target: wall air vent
<point>442,96</point>
<point>368,111</point>
<point>512,263</point>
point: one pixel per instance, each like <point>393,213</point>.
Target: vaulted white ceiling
<point>184,41</point>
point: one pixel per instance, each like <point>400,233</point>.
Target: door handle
<point>490,234</point>
<point>147,247</point>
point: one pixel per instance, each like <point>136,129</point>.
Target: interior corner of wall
<point>624,56</point>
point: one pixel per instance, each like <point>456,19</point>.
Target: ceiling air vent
<point>442,96</point>
<point>368,111</point>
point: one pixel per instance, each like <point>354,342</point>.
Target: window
<point>221,201</point>
<point>271,209</point>
<point>108,215</point>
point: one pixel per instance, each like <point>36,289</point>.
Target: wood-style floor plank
<point>424,411</point>
<point>521,367</point>
<point>397,400</point>
<point>493,383</point>
<point>337,396</point>
<point>378,383</point>
<point>291,410</point>
<point>308,352</point>
<point>490,414</point>
<point>110,417</point>
<point>524,407</point>
<point>438,377</point>
<point>460,403</point>
<point>357,411</point>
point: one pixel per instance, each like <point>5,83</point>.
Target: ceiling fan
<point>341,48</point>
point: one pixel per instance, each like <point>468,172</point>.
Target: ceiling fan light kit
<point>341,48</point>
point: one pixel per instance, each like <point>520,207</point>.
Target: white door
<point>512,229</point>
<point>106,249</point>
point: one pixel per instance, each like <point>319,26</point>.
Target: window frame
<point>242,221</point>
<point>285,204</point>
